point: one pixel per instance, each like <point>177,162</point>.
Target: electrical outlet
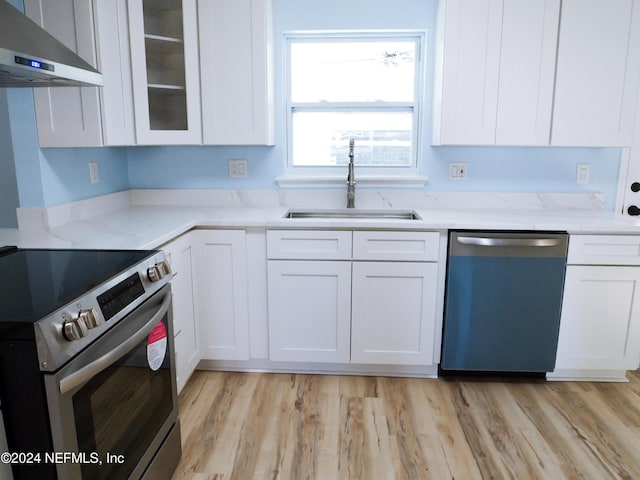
<point>457,171</point>
<point>582,173</point>
<point>94,174</point>
<point>237,168</point>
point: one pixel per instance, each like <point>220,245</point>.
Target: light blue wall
<point>51,176</point>
<point>26,153</point>
<point>65,173</point>
<point>203,167</point>
<point>526,169</point>
<point>489,168</point>
<point>8,181</point>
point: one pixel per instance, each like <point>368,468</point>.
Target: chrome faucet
<point>351,183</point>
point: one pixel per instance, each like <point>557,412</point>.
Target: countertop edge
<point>149,227</point>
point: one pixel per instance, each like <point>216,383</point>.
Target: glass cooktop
<point>35,283</point>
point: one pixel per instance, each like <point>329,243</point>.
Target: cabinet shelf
<point>163,46</point>
<point>159,88</point>
<point>162,38</point>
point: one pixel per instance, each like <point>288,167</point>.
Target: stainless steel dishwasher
<point>503,300</point>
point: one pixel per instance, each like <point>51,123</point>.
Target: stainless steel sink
<point>354,213</point>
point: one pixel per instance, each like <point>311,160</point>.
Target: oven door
<point>115,403</point>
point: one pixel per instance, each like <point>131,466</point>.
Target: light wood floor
<point>277,426</point>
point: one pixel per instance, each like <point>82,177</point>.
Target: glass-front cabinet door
<point>164,57</point>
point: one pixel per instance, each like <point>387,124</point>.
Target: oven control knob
<point>75,329</point>
<point>159,271</point>
<point>164,267</point>
<point>91,320</point>
<point>153,274</point>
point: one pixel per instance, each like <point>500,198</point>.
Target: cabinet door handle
<point>633,210</point>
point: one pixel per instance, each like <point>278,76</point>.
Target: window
<point>343,86</point>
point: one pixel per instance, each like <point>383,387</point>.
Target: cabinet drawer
<point>399,246</point>
<point>309,245</point>
<point>604,250</point>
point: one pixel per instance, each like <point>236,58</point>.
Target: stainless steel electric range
<point>87,368</point>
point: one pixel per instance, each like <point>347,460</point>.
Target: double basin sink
<point>355,213</point>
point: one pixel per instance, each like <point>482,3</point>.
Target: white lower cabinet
<point>210,298</point>
<point>393,312</point>
<point>325,305</point>
<point>181,255</point>
<point>600,324</point>
<point>599,335</point>
<point>222,298</point>
<point>309,310</point>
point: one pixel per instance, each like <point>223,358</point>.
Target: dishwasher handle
<point>508,242</point>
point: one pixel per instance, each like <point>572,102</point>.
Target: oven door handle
<point>89,371</point>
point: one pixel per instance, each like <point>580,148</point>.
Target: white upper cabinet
<point>466,95</point>
<point>494,72</point>
<point>598,73</point>
<point>114,60</point>
<point>165,72</point>
<point>154,56</point>
<point>87,116</point>
<point>528,54</point>
<point>236,71</point>
<point>202,71</point>
<point>520,72</point>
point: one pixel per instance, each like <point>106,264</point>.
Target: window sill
<point>363,181</point>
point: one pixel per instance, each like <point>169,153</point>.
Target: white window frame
<point>297,176</point>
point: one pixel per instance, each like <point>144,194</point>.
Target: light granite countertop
<point>148,219</point>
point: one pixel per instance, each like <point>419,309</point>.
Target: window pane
<point>381,138</point>
<point>353,71</point>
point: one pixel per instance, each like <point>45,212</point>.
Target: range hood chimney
<point>31,57</point>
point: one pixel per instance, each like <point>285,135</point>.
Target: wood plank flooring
<point>245,426</point>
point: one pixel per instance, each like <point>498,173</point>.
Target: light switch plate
<point>94,173</point>
<point>237,168</point>
<point>582,173</point>
<point>457,171</point>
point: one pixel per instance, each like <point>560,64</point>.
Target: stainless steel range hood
<point>31,57</point>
